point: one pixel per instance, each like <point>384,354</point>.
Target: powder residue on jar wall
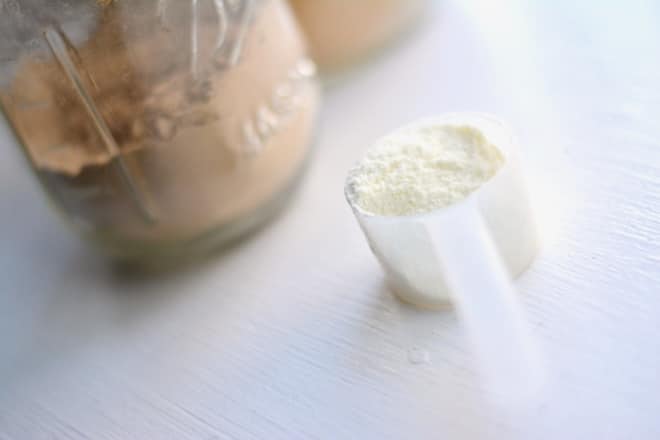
<point>211,115</point>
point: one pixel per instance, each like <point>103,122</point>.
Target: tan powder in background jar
<point>341,32</point>
<point>174,120</point>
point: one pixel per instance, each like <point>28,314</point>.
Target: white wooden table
<point>293,334</point>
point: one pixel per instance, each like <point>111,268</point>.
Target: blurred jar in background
<point>159,127</point>
<point>341,32</point>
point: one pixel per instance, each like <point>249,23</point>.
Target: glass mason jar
<point>341,32</point>
<point>159,127</point>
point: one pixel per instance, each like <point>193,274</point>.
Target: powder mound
<point>422,168</point>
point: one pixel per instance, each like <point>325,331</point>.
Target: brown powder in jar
<point>183,135</point>
<point>342,31</point>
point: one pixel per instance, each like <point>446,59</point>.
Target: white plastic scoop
<point>466,253</point>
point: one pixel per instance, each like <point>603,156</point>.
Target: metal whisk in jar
<point>159,126</point>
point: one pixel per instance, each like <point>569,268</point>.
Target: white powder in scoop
<point>422,168</point>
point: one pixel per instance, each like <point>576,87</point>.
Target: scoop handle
<point>482,290</point>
